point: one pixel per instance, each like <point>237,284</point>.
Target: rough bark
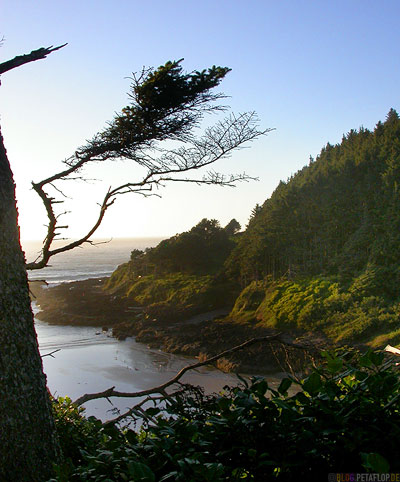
<point>28,442</point>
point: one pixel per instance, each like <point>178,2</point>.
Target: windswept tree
<point>166,104</point>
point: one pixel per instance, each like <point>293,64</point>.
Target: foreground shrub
<point>344,417</point>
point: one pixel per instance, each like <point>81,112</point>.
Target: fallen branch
<point>111,392</point>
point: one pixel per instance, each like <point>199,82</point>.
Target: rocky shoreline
<point>86,303</point>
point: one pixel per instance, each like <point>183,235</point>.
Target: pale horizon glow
<point>311,70</point>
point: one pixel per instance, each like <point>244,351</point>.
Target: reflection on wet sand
<point>88,362</point>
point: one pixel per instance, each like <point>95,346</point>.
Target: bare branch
<point>47,253</point>
<point>58,190</point>
<point>217,143</point>
<point>51,353</point>
<point>134,135</point>
<point>159,393</point>
<point>136,408</point>
<point>111,392</point>
<point>24,59</point>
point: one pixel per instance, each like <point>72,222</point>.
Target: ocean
<point>89,360</point>
<point>89,261</point>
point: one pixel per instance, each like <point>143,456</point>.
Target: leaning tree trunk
<point>28,442</point>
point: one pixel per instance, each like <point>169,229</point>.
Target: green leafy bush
<point>344,417</point>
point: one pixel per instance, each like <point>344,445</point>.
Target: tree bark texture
<point>28,442</point>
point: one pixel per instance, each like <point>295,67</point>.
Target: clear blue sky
<point>311,69</point>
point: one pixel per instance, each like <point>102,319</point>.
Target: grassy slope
<point>345,314</point>
<point>335,226</point>
<point>171,296</point>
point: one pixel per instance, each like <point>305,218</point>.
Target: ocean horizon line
<point>99,239</point>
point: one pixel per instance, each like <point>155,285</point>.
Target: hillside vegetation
<point>324,251</point>
<point>322,254</point>
<point>182,276</point>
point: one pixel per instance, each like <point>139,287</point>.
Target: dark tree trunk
<point>28,442</point>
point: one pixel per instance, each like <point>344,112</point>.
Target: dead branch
<point>111,392</point>
<point>138,407</point>
<point>51,353</point>
<point>24,59</point>
<point>47,253</point>
<point>217,143</point>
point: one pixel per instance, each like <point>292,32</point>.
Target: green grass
<point>171,296</point>
<point>365,309</point>
<point>360,311</point>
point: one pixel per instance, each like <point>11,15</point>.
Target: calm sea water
<point>89,360</point>
<point>86,262</point>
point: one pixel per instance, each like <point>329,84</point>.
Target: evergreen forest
<point>337,216</point>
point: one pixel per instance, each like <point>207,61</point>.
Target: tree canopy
<point>166,103</point>
<point>201,250</point>
<point>339,214</point>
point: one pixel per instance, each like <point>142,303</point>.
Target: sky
<point>312,70</point>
